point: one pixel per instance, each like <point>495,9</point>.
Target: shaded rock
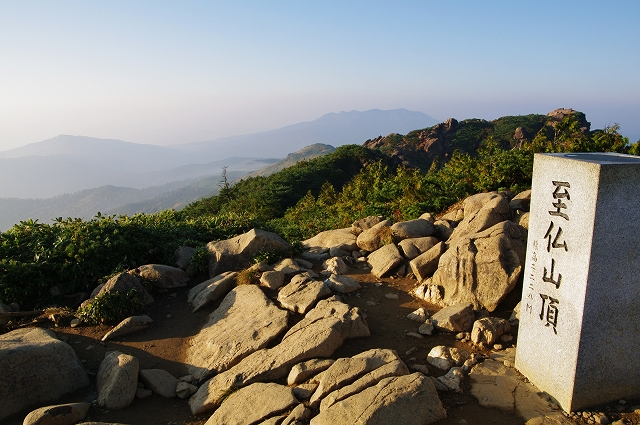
<point>160,382</point>
<point>143,393</point>
<point>316,255</point>
<point>342,284</point>
<point>446,357</point>
<point>253,404</point>
<point>61,414</point>
<point>302,293</point>
<point>123,283</point>
<point>426,264</point>
<point>384,260</point>
<point>36,368</point>
<point>305,391</point>
<point>210,290</point>
<point>237,253</point>
<point>452,379</point>
<point>408,400</point>
<point>117,380</point>
<point>245,321</point>
<point>375,237</point>
<point>182,256</point>
<point>427,216</point>
<point>338,238</point>
<point>488,329</point>
<point>521,201</point>
<point>366,223</point>
<point>272,279</point>
<point>482,268</point>
<point>393,368</point>
<point>185,390</point>
<point>129,325</point>
<point>481,211</point>
<point>426,328</point>
<point>442,230</point>
<point>305,370</point>
<point>299,414</point>
<point>413,247</point>
<point>346,370</point>
<point>336,265</point>
<point>454,318</point>
<point>163,277</point>
<point>418,228</point>
<point>318,334</point>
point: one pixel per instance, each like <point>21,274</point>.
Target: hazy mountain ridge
<point>309,152</point>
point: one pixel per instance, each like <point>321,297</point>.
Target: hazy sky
<point>177,71</point>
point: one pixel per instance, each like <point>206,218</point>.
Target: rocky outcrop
<point>318,334</point>
<point>482,268</point>
<point>236,253</point>
<point>245,321</point>
<point>481,211</point>
<point>36,368</point>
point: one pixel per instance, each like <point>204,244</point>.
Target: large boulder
<point>117,380</point>
<point>237,253</point>
<point>338,238</point>
<point>253,404</point>
<point>418,228</point>
<point>163,277</point>
<point>375,237</point>
<point>481,211</point>
<point>413,247</point>
<point>318,334</point>
<point>36,368</point>
<point>245,321</point>
<point>409,400</point>
<point>123,283</point>
<point>384,260</point>
<point>482,268</point>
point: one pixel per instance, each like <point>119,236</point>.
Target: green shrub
<point>111,307</point>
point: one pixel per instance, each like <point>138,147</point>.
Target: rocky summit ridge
<point>266,349</point>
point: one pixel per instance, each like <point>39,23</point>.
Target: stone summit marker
<point>579,331</point>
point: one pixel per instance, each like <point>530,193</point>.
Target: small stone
<point>391,296</point>
<point>506,338</point>
<point>622,402</point>
<point>415,335</point>
<point>185,390</point>
<point>75,323</point>
<point>419,315</point>
<point>426,328</point>
<point>168,316</point>
<point>498,347</point>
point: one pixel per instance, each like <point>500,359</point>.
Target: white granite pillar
<point>579,333</point>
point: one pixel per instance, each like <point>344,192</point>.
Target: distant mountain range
<point>77,176</point>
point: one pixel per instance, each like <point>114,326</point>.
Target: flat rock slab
<point>319,334</point>
<point>245,321</point>
<point>36,368</point>
<point>117,380</point>
<point>253,404</point>
<point>61,414</point>
<point>342,284</point>
<point>408,400</point>
<point>498,386</point>
<point>129,325</point>
<point>302,293</point>
<point>160,382</point>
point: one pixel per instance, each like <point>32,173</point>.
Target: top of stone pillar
<point>599,157</point>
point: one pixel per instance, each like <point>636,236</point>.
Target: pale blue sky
<point>171,72</point>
